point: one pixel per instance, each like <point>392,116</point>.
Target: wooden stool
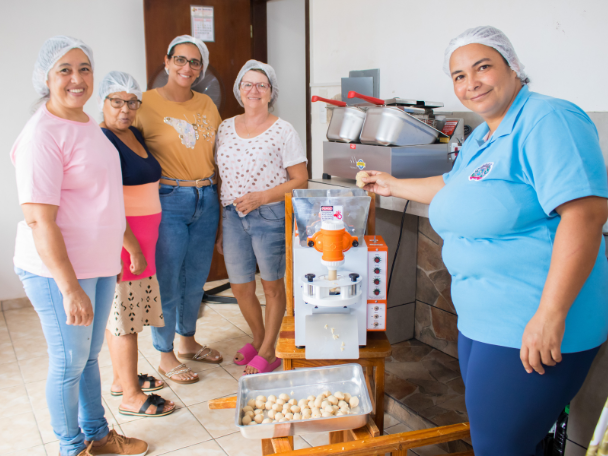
<point>371,357</point>
<point>363,441</point>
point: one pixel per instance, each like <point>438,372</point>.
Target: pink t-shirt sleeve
<point>39,168</point>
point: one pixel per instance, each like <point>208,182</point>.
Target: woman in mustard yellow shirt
<point>179,127</point>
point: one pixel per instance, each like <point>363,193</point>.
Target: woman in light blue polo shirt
<point>521,216</point>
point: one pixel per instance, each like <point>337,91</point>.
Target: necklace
<point>256,128</point>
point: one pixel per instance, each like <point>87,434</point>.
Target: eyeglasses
<point>180,61</point>
<point>119,103</point>
<point>261,86</point>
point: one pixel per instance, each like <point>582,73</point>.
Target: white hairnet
<point>257,65</point>
<point>488,36</point>
<point>117,81</point>
<point>52,50</point>
<point>201,47</point>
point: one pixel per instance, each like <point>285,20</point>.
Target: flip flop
<point>143,378</point>
<point>264,366</point>
<point>249,352</point>
<point>181,369</point>
<point>199,357</point>
<point>153,399</point>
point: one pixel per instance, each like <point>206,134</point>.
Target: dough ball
<point>292,402</point>
<point>321,397</point>
<point>325,414</point>
<point>335,408</point>
<point>295,409</point>
<point>266,421</point>
<point>310,398</point>
<point>340,413</point>
<point>247,409</point>
<point>286,407</point>
<point>271,414</point>
<point>258,411</point>
<point>261,398</point>
<point>259,404</point>
<point>250,414</point>
<point>339,395</point>
<point>297,416</point>
<point>268,405</point>
<point>280,401</point>
<point>276,407</point>
<point>359,176</point>
<point>279,416</point>
<point>316,414</point>
<point>318,402</point>
<point>324,404</point>
<point>342,404</point>
<point>347,397</point>
<point>282,419</point>
<point>326,393</point>
<point>354,401</point>
<point>302,403</point>
<point>307,414</point>
<point>332,400</point>
<point>272,398</point>
<point>289,416</point>
<point>328,408</point>
<point>311,404</point>
<point>246,420</point>
<point>251,403</point>
<point>259,418</point>
<point>284,396</point>
<point>253,423</point>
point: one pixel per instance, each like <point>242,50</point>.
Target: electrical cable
<point>390,277</point>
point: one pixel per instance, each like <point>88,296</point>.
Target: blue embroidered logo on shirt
<point>481,172</point>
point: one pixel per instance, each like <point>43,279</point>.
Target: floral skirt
<point>136,304</point>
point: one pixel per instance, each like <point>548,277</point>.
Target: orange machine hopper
<point>333,243</point>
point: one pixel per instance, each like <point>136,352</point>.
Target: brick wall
<point>435,322</point>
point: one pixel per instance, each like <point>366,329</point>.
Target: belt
<point>198,183</point>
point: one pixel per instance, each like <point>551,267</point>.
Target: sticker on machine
<point>331,213</point>
<point>481,172</point>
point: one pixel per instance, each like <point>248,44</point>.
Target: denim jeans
<point>258,237</point>
<point>73,385</point>
<point>186,239</point>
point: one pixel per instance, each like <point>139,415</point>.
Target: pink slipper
<point>248,351</point>
<point>264,366</point>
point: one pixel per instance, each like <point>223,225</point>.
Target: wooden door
<point>240,35</point>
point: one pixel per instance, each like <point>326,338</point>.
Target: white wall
<point>561,42</point>
<point>286,54</point>
<point>115,31</point>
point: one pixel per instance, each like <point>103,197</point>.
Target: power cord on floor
<point>390,277</point>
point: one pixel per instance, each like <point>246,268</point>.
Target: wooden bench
<point>363,441</point>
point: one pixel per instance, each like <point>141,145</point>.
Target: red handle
<point>342,104</point>
<point>378,101</point>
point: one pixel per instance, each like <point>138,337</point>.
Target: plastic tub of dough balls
<point>290,396</point>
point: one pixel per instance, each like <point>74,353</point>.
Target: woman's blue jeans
<point>186,239</point>
<point>73,385</point>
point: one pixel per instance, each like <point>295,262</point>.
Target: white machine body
<point>352,299</point>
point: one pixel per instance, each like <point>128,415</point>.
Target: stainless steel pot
<point>390,126</point>
<point>396,125</point>
<point>346,121</point>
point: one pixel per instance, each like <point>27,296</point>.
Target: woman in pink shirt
<point>67,251</point>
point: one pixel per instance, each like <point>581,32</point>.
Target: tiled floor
<point>193,430</point>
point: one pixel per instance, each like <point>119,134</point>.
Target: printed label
<point>360,164</point>
<point>331,213</point>
<point>353,146</point>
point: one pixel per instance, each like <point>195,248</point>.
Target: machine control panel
<point>377,267</point>
<point>376,315</point>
